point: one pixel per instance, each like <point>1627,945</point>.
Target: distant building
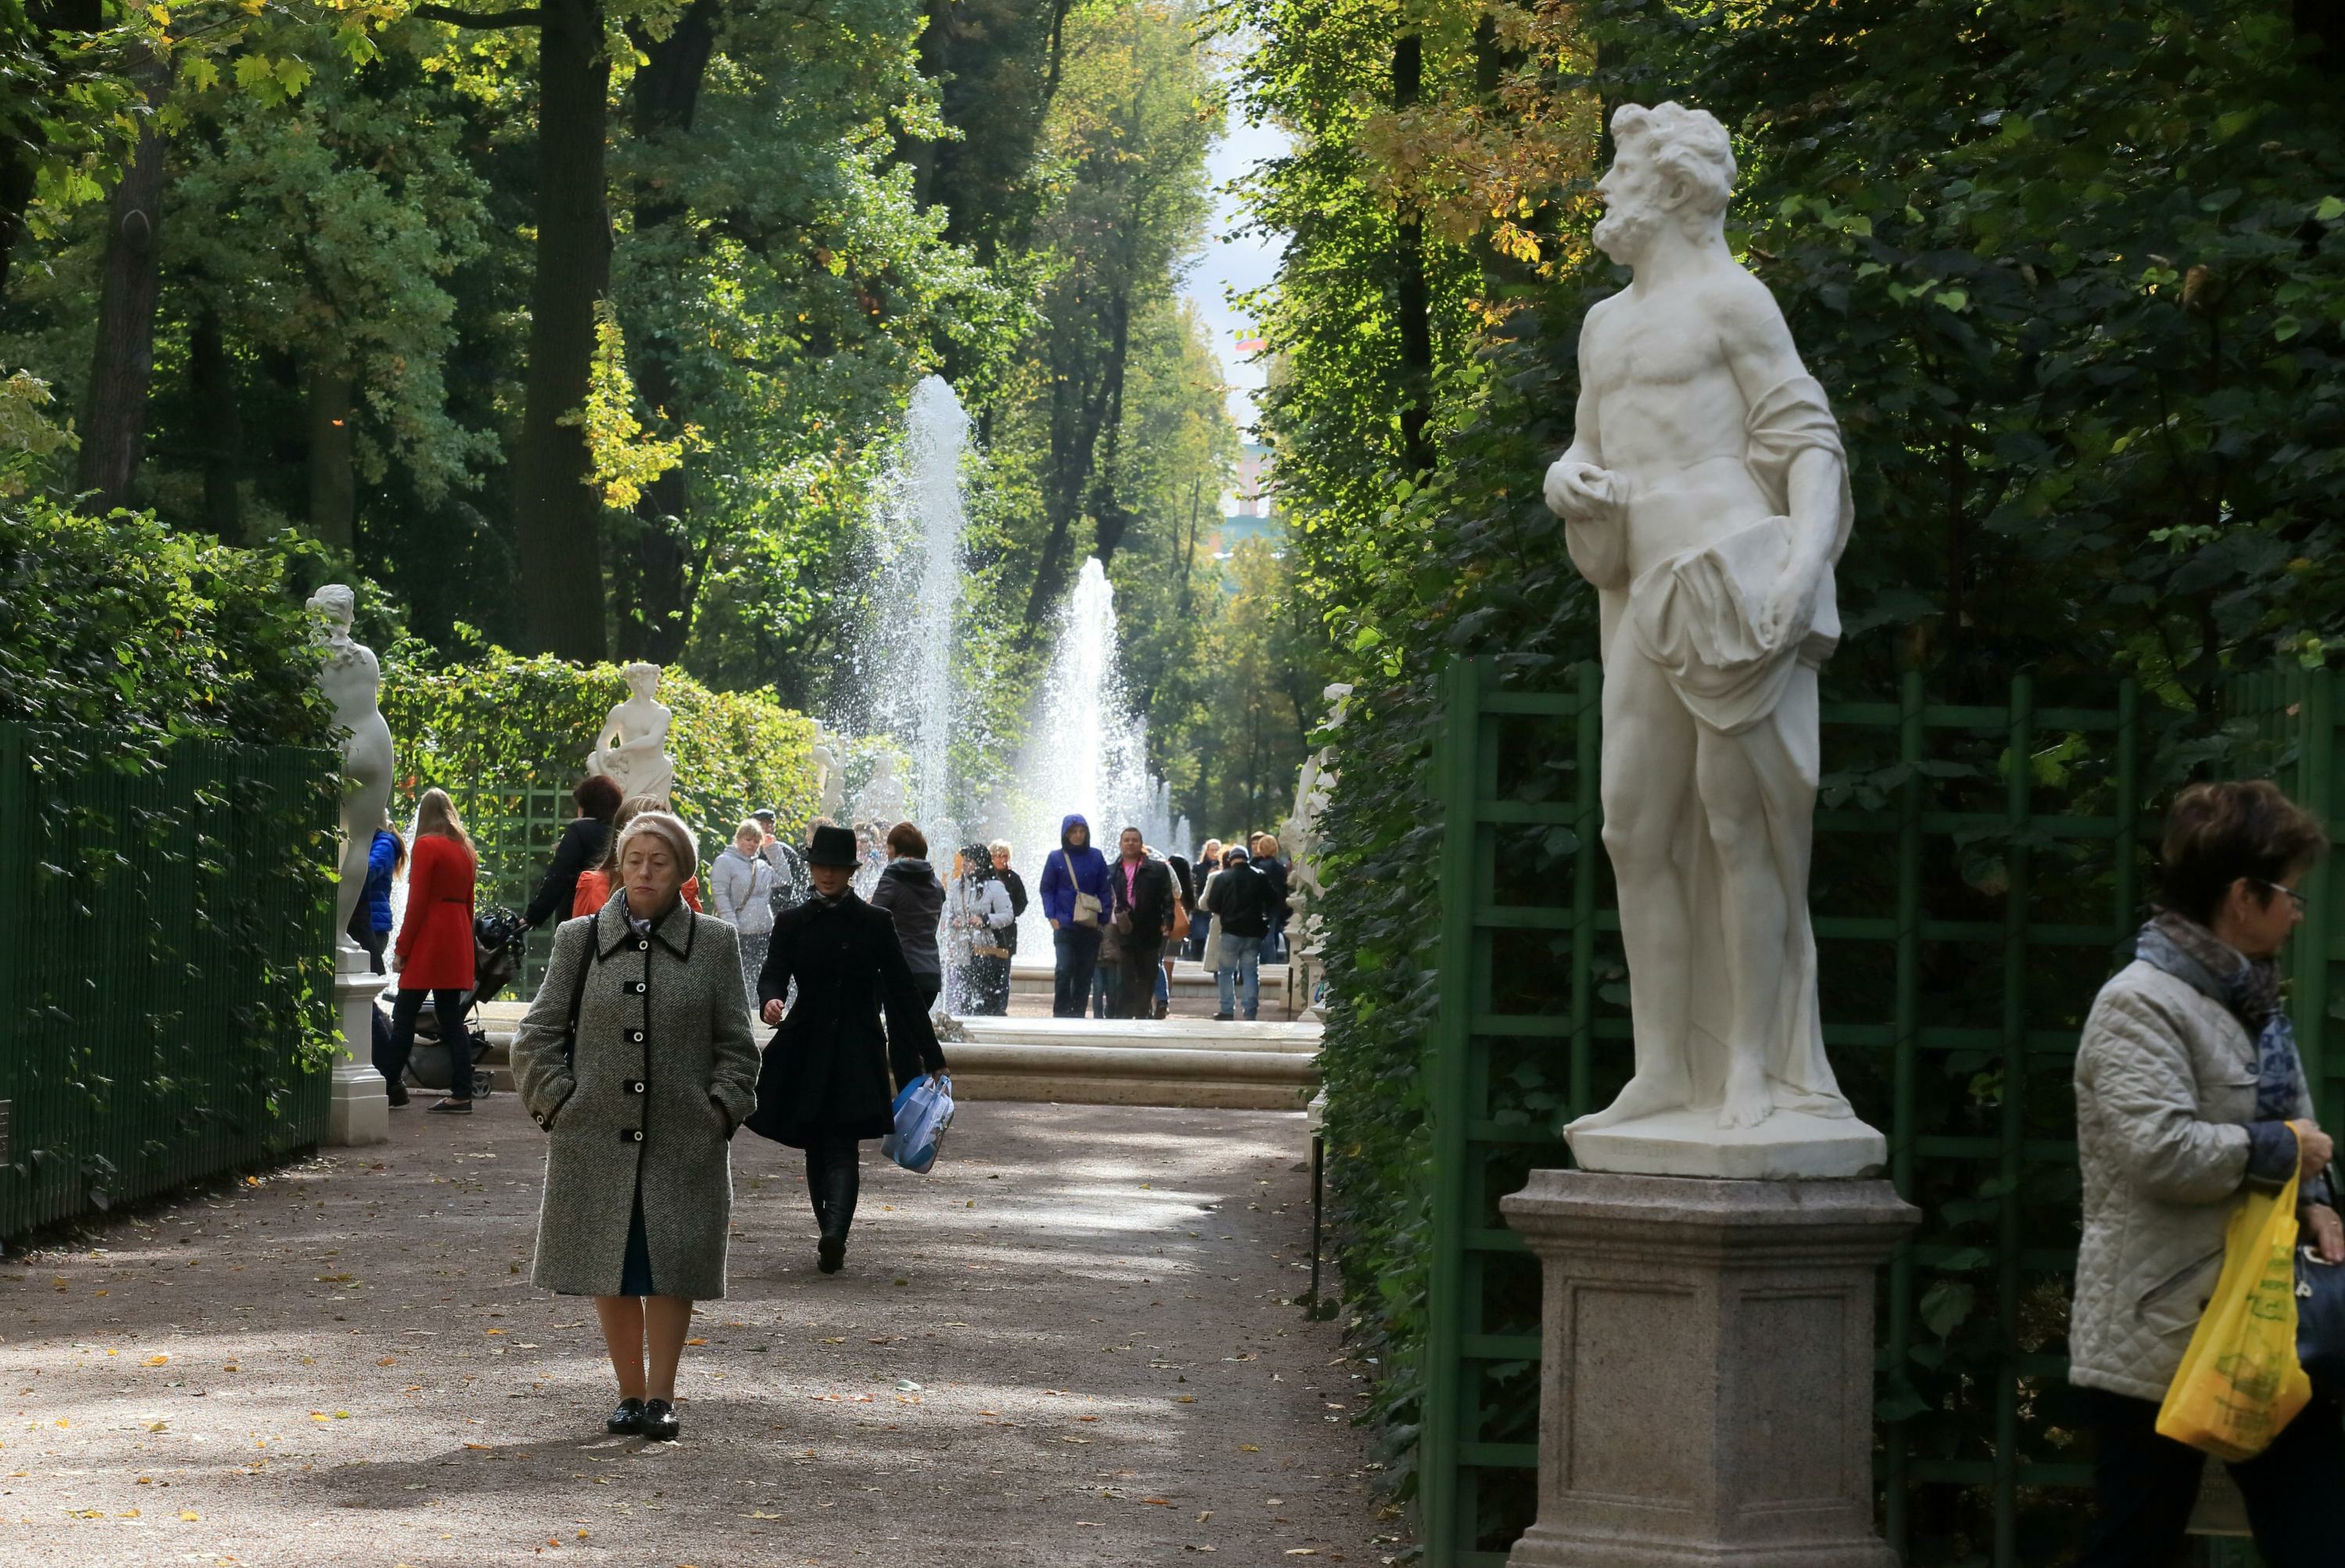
<point>1250,509</point>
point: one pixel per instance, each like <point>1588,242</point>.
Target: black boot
<point>837,1188</point>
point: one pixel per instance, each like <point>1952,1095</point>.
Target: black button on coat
<point>826,1074</point>
<point>665,1068</point>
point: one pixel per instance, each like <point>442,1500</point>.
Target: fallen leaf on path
<point>190,1514</point>
<point>388,1362</point>
<point>1249,1447</point>
<point>687,1341</point>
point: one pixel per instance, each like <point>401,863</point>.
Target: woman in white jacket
<point>2188,1093</point>
<point>741,893</point>
<point>980,918</point>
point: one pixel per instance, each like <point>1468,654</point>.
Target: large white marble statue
<point>353,680</point>
<point>1705,495</point>
<point>631,746</point>
<point>829,781</point>
<point>881,802</point>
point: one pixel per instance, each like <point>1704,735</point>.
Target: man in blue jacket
<point>1075,899</point>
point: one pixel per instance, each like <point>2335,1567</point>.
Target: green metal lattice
<point>148,1035</point>
<point>1979,872</point>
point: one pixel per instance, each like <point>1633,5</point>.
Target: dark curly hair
<point>2219,833</point>
<point>598,796</point>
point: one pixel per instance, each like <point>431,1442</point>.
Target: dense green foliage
<point>166,834</point>
<point>503,719</point>
<point>2073,275</point>
<point>301,288</point>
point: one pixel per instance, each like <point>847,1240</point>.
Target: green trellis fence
<point>1979,871</point>
<point>164,972</point>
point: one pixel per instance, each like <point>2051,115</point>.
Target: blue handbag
<point>923,1110</point>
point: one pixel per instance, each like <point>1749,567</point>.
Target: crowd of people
<point>1119,926</point>
<point>637,1054</point>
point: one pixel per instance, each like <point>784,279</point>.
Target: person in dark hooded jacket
<point>914,898</point>
<point>1075,899</point>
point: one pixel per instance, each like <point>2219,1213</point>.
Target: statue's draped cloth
<point>1696,616</point>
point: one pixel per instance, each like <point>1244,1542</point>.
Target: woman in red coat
<point>435,949</point>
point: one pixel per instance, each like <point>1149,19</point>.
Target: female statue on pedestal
<point>351,679</point>
<point>631,746</point>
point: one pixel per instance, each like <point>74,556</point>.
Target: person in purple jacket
<point>1075,899</point>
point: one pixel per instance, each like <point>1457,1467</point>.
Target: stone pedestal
<point>1706,1379</point>
<point>359,1112</point>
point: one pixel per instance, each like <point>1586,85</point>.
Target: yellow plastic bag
<point>2241,1382</point>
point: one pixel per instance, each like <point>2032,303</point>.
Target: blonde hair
<point>435,813</point>
<point>669,828</point>
<point>747,828</point>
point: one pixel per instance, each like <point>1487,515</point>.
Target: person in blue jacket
<point>370,921</point>
<point>1075,897</point>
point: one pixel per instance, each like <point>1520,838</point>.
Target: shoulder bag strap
<point>577,997</point>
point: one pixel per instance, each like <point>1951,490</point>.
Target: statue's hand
<point>1789,610</point>
<point>1579,492</point>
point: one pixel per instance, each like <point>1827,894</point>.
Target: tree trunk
<point>1079,413</point>
<point>211,380</point>
<point>557,512</point>
<point>656,588</point>
<point>1412,299</point>
<point>1111,518</point>
<point>333,484</point>
<point>122,362</point>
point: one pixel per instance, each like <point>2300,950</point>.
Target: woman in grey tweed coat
<point>639,1176</point>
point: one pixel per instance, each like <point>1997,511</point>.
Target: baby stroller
<point>497,938</point>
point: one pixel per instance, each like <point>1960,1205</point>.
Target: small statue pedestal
<point>1706,1372</point>
<point>359,1111</point>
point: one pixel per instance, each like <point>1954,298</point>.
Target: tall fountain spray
<point>906,667</point>
<point>1086,751</point>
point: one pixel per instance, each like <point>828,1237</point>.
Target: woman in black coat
<point>824,1086</point>
<point>582,847</point>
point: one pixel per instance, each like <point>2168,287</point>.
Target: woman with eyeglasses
<point>2190,1094</point>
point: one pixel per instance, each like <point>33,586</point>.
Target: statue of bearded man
<point>1705,495</point>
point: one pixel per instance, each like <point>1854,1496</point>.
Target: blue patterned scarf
<point>2249,989</point>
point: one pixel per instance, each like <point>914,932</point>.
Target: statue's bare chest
<point>1652,347</point>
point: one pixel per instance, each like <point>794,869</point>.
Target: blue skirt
<point>635,1272</point>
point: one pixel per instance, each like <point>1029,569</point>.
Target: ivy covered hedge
<point>2073,274</point>
<point>165,802</point>
<point>513,720</point>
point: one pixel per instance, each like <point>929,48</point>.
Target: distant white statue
<point>631,746</point>
<point>352,682</point>
<point>881,802</point>
<point>829,781</point>
<point>1706,496</point>
<point>1314,790</point>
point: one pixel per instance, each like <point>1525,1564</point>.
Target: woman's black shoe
<point>660,1424</point>
<point>627,1420</point>
<point>829,1252</point>
<point>397,1092</point>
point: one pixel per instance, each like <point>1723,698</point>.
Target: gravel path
<point>1069,1344</point>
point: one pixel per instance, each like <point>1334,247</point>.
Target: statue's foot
<point>1749,1100</point>
<point>1646,1095</point>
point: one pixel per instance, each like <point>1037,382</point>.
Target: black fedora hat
<point>832,846</point>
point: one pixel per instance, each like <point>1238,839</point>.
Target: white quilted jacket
<point>2165,1086</point>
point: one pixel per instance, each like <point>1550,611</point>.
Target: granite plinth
<point>1790,1146</point>
<point>1706,1375</point>
<point>358,1111</point>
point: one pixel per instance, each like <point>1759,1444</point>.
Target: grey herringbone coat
<point>665,1069</point>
